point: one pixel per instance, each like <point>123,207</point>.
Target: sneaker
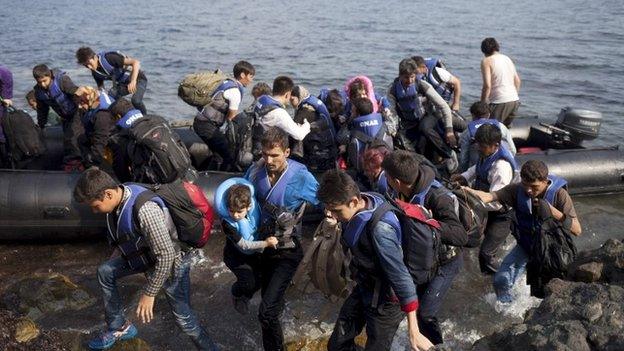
<point>241,304</point>
<point>451,162</point>
<point>109,338</point>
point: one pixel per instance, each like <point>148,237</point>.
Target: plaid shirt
<point>155,229</point>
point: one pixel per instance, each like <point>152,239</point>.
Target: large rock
<point>40,294</point>
<point>575,315</point>
<point>19,333</point>
<point>25,330</point>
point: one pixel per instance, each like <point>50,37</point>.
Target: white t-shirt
<point>502,84</point>
<point>445,76</point>
<point>281,119</point>
<point>233,97</point>
<point>500,175</point>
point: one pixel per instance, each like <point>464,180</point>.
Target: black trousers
<point>209,132</point>
<point>381,324</point>
<point>72,131</point>
<point>278,269</point>
<point>497,229</point>
<point>246,268</point>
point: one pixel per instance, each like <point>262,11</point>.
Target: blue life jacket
<point>442,89</point>
<point>526,225</point>
<point>409,104</point>
<point>125,234</point>
<point>88,118</point>
<point>321,111</point>
<point>266,104</point>
<point>381,185</point>
<point>353,229</point>
<point>62,103</point>
<point>483,166</point>
<point>116,74</point>
<point>324,95</point>
<point>475,124</point>
<point>229,84</point>
<point>419,199</point>
<point>246,227</point>
<point>129,118</point>
<point>364,131</point>
<point>273,194</point>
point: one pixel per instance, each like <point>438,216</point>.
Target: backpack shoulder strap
<point>379,213</point>
<point>139,202</point>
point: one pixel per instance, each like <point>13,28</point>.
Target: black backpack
<point>24,137</point>
<point>239,135</point>
<point>420,239</point>
<point>156,153</point>
<point>472,216</point>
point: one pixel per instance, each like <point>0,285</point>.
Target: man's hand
<point>132,87</point>
<point>145,309</point>
<point>271,242</point>
<point>420,343</point>
<point>455,107</point>
<point>450,139</point>
<point>7,102</point>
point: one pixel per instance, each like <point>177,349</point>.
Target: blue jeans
<point>119,90</point>
<point>177,289</point>
<point>513,265</point>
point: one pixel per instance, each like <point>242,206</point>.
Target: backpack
<point>472,216</point>
<point>197,89</point>
<point>239,136</point>
<point>420,239</point>
<point>188,207</point>
<point>355,151</point>
<point>156,153</point>
<point>24,137</point>
<point>326,263</point>
<point>552,250</point>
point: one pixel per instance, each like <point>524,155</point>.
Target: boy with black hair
<point>469,155</point>
<point>446,84</point>
<point>224,107</point>
<point>385,289</point>
<point>283,187</point>
<point>414,182</point>
<point>271,112</point>
<point>124,71</point>
<point>56,90</point>
<point>539,193</point>
<point>140,231</point>
<point>495,169</point>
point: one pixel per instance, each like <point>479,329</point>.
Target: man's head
<point>244,72</point>
<point>489,46</point>
<point>282,88</point>
<point>420,64</point>
<point>120,107</point>
<point>334,103</point>
<point>260,89</point>
<point>402,170</point>
<point>361,106</point>
<point>298,93</point>
<point>31,99</point>
<point>488,138</point>
<point>98,190</point>
<point>85,56</point>
<point>340,195</point>
<point>238,201</point>
<point>43,76</point>
<point>275,149</point>
<point>480,109</point>
<point>90,98</point>
<point>407,71</point>
<point>534,178</point>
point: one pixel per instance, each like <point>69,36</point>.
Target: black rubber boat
<point>37,203</point>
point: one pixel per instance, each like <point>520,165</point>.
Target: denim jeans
<point>513,265</point>
<point>119,90</point>
<point>209,132</point>
<point>177,289</point>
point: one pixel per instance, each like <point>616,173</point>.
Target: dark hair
<point>480,109</point>
<point>92,184</point>
<point>488,134</point>
<point>363,106</point>
<point>489,46</point>
<point>337,188</point>
<point>402,165</point>
<point>84,54</point>
<point>534,170</point>
<point>41,71</point>
<point>243,67</point>
<point>355,87</point>
<point>120,107</point>
<point>419,61</point>
<point>407,67</point>
<point>273,137</point>
<point>334,103</point>
<point>296,91</point>
<point>30,95</point>
<point>260,89</point>
<point>282,85</point>
<point>238,197</point>
<point>373,157</point>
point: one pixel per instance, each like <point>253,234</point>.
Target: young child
<point>240,214</point>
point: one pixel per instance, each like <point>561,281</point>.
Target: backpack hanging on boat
<point>24,137</point>
<point>472,216</point>
<point>156,153</point>
<point>188,207</point>
<point>197,89</point>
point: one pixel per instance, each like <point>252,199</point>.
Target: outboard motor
<point>582,124</point>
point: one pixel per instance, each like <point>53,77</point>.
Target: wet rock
<point>605,264</point>
<point>21,334</point>
<point>319,344</point>
<point>25,330</point>
<point>589,272</point>
<point>40,294</point>
<point>135,344</point>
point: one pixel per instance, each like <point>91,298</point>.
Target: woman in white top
<point>501,82</point>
